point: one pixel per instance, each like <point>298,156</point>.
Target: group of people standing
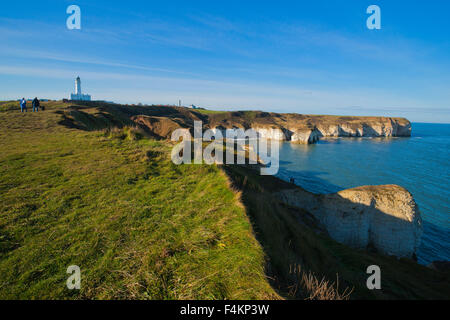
<point>23,105</point>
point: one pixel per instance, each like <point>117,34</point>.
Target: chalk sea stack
<point>384,217</point>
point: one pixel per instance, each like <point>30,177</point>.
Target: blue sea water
<point>421,164</point>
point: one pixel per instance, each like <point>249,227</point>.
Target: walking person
<point>36,104</point>
<point>23,105</point>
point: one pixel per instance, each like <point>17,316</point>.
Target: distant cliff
<point>310,128</point>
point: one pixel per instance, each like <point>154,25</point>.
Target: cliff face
<point>161,127</point>
<point>384,217</point>
<point>161,121</point>
<point>372,127</point>
<point>310,128</point>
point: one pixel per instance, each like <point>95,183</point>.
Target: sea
<point>420,163</point>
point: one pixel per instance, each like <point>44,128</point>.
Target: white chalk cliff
<point>310,128</point>
<point>298,128</point>
<point>384,217</point>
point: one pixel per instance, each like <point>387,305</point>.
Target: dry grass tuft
<point>132,133</point>
<point>315,289</point>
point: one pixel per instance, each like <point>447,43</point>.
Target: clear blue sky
<point>285,56</point>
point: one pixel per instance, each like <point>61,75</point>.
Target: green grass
<point>138,226</point>
<point>15,105</point>
<point>9,105</point>
<point>205,111</point>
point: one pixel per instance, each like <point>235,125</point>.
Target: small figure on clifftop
<point>36,104</point>
<point>23,105</point>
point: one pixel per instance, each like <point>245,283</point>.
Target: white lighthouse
<point>78,95</point>
<point>78,86</point>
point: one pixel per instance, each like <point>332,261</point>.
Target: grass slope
<point>137,225</point>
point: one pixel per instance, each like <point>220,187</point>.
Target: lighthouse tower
<point>78,96</point>
<point>78,86</point>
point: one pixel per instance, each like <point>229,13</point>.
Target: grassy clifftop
<point>137,225</point>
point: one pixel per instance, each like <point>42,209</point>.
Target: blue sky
<point>315,57</point>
